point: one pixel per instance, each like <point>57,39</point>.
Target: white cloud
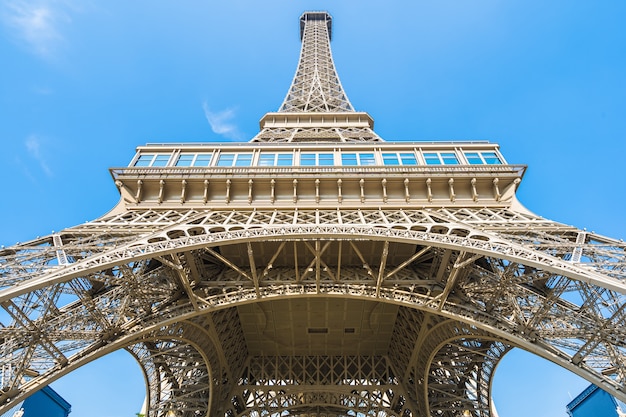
<point>221,122</point>
<point>33,146</point>
<point>37,23</point>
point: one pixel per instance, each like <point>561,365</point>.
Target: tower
<point>316,270</point>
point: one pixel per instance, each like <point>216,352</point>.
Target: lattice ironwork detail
<point>318,134</point>
<point>315,86</point>
<point>347,384</point>
<point>116,296</point>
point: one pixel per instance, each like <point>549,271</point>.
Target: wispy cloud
<point>36,23</point>
<point>33,147</point>
<point>221,122</point>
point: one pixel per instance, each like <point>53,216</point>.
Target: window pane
<point>184,160</point>
<point>284,159</point>
<point>144,160</point>
<point>449,158</point>
<point>161,160</point>
<point>348,159</point>
<point>367,159</point>
<point>408,159</point>
<point>491,158</point>
<point>390,159</point>
<point>267,159</point>
<point>226,160</point>
<point>202,160</point>
<point>307,159</point>
<point>473,158</point>
<point>326,159</point>
<point>244,160</point>
<point>432,159</point>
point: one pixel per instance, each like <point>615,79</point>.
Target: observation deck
<point>318,175</point>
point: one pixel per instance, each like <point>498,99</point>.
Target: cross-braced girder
<point>458,264</point>
<point>348,384</point>
<point>315,86</point>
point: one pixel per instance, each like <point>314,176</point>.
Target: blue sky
<point>82,82</point>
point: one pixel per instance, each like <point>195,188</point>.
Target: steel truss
<point>500,279</point>
<point>316,86</point>
<point>313,384</point>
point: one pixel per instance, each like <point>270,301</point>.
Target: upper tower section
<point>317,152</point>
<point>316,86</point>
<point>316,109</point>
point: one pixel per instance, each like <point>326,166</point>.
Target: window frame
<point>194,159</point>
<point>236,159</point>
<point>154,157</point>
<point>441,157</point>
<point>359,158</point>
<point>483,159</point>
<point>400,158</point>
<point>276,159</point>
<point>317,159</point>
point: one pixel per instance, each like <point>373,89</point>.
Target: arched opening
<point>113,385</point>
<point>527,385</point>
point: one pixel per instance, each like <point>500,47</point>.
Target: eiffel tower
<point>316,270</point>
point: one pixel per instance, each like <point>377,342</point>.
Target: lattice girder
<point>315,86</point>
<point>448,364</point>
<point>512,286</point>
<point>217,342</point>
<point>363,384</point>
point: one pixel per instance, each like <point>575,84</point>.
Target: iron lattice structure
<point>314,290</point>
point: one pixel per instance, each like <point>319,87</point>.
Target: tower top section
<point>316,87</point>
<point>321,16</point>
<point>316,109</point>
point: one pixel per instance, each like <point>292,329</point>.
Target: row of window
<point>246,159</point>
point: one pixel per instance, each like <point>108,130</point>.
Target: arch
<point>177,375</point>
<point>477,242</point>
<point>160,252</point>
<point>456,373</point>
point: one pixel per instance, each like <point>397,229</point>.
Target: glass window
<point>390,159</point>
<point>439,158</point>
<point>473,158</point>
<point>202,160</point>
<point>235,159</point>
<point>491,158</point>
<point>399,158</point>
<point>320,159</point>
<point>349,159</point>
<point>185,160</point>
<point>307,159</point>
<point>326,159</point>
<point>243,160</point>
<point>432,158</point>
<point>449,158</point>
<point>267,159</point>
<point>226,160</point>
<point>153,160</point>
<point>144,160</point>
<point>408,159</point>
<point>284,159</point>
<point>367,159</point>
<point>160,160</point>
<point>275,159</point>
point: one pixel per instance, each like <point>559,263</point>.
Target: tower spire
<point>316,86</point>
<point>316,109</point>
